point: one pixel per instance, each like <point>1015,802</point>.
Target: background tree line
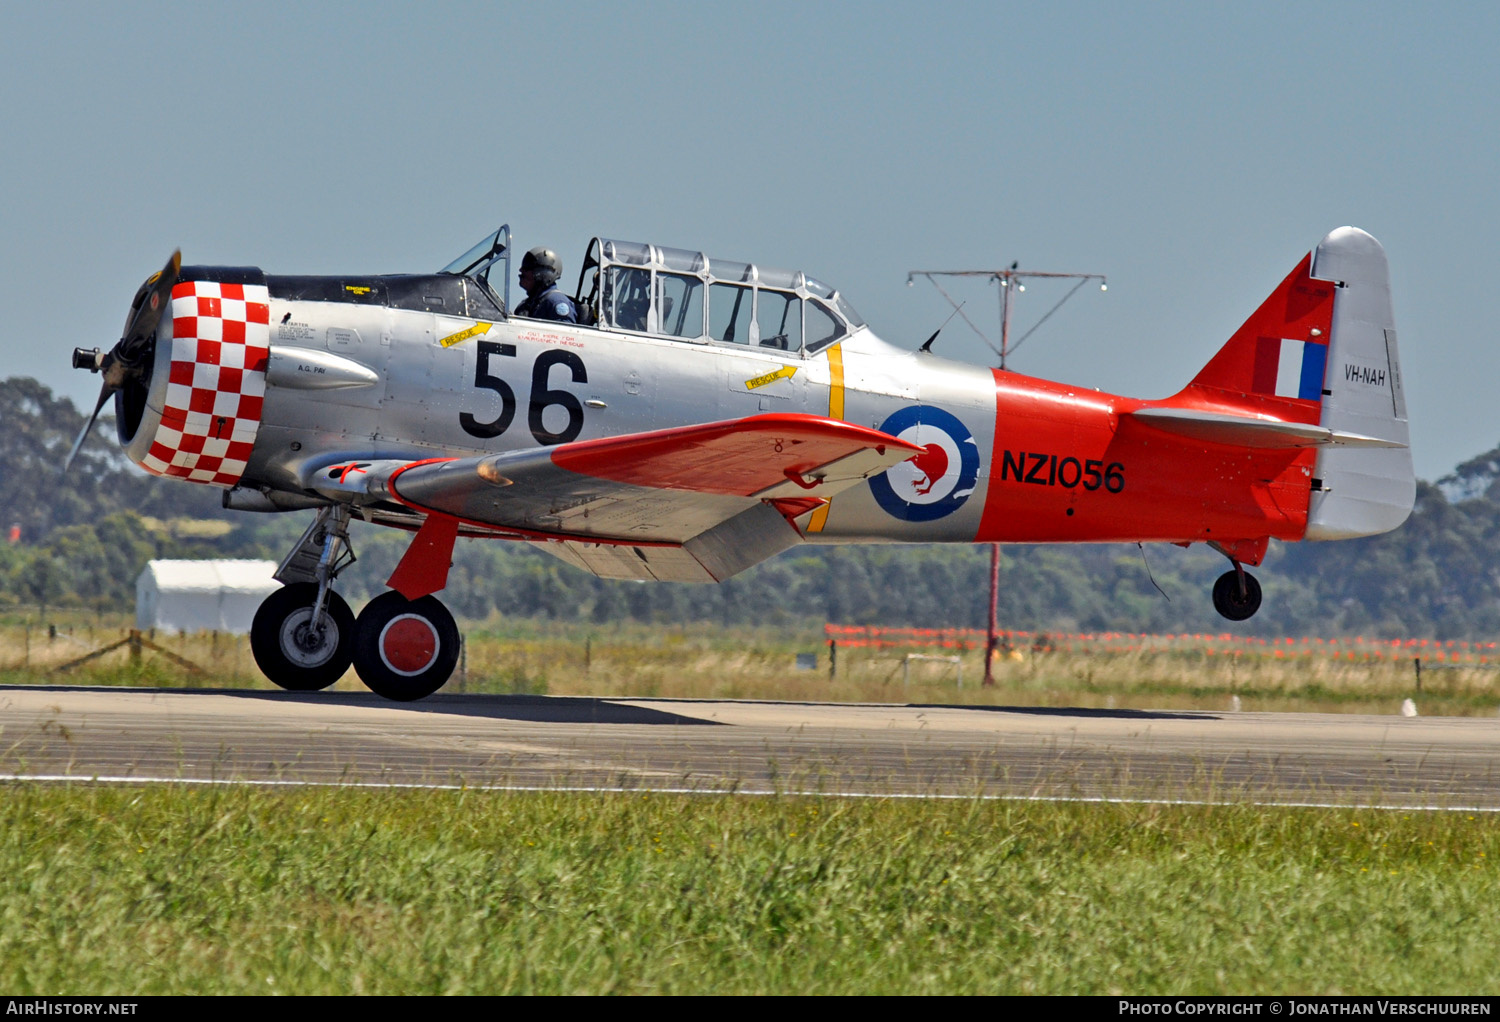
<point>84,539</point>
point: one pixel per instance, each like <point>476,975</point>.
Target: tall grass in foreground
<point>174,890</point>
<point>704,662</point>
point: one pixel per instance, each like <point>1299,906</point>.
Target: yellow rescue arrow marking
<point>464,335</point>
<point>784,373</point>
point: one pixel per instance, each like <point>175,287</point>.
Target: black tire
<point>289,652</point>
<point>405,649</point>
<point>1228,600</point>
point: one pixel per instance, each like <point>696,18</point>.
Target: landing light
<point>490,474</point>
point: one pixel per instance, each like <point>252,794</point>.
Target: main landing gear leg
<point>1237,593</point>
<point>303,634</point>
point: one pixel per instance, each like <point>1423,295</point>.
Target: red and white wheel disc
<point>409,644</point>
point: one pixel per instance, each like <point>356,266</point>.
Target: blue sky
<point>1192,152</point>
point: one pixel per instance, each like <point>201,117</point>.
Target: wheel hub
<point>409,644</point>
<point>305,643</point>
<point>308,638</point>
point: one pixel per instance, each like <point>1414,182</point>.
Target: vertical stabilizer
<point>1274,364</point>
<point>1360,491</point>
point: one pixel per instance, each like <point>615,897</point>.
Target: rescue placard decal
<point>784,373</point>
<point>463,335</point>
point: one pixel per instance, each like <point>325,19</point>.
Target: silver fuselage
<point>352,382</point>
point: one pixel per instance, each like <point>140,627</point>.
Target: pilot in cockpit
<point>540,269</point>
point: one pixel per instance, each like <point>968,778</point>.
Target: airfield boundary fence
<point>1356,648</point>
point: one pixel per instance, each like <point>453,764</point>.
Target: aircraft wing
<point>697,503</point>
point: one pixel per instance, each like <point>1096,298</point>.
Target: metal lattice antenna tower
<point>1011,281</point>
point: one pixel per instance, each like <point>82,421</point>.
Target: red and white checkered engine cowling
<point>220,346</point>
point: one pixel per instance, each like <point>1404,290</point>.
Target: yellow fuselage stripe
<point>835,411</point>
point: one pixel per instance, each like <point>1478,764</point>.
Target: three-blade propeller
<point>132,356</point>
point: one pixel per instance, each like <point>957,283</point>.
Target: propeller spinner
<point>131,357</point>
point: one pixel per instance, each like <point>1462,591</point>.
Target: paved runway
<point>670,744</point>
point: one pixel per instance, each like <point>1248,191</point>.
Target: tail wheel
<point>291,649</point>
<point>405,649</point>
<point>1231,601</point>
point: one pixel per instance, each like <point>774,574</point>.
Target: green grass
<point>156,890</point>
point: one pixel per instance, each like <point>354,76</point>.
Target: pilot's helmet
<point>544,265</point>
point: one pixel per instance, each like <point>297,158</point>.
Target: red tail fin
<point>1275,363</point>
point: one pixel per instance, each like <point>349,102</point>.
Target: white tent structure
<point>202,596</point>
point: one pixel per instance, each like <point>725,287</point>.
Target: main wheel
<point>405,649</point>
<point>291,650</point>
<point>1230,602</point>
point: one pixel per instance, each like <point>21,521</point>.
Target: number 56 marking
<point>542,395</point>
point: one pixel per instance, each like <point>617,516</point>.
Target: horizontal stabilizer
<point>1248,431</point>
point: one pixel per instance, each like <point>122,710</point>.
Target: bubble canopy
<point>689,296</point>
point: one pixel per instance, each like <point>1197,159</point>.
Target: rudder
<point>1361,491</point>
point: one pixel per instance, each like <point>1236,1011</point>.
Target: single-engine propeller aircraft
<point>705,415</point>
